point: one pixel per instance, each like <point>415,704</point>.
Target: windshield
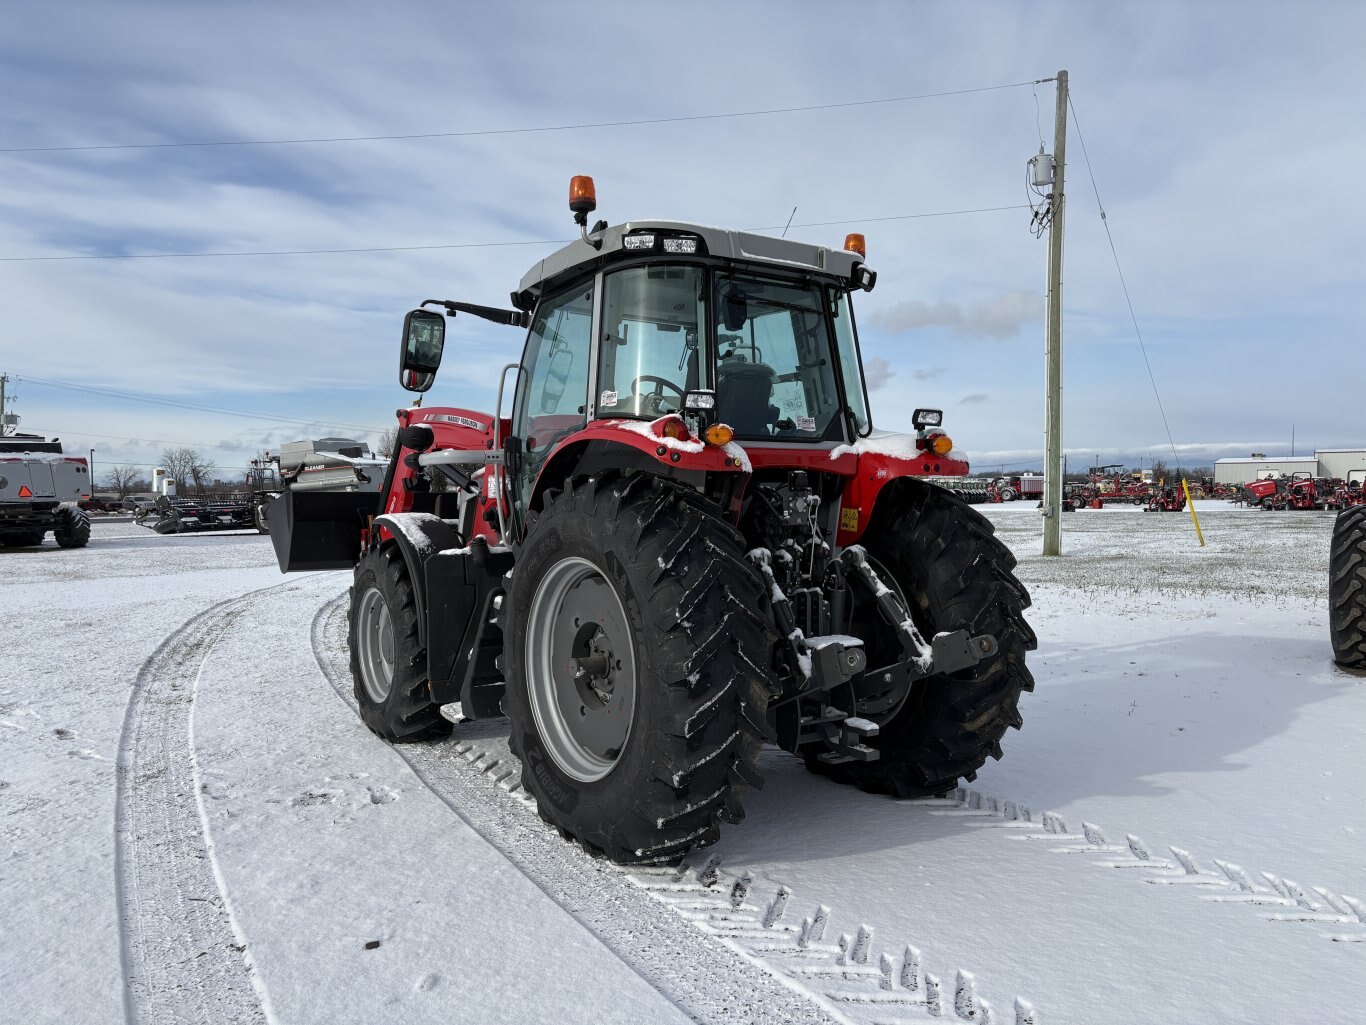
<point>652,320</point>
<point>775,375</point>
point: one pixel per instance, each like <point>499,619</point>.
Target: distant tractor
<point>686,540</point>
<point>40,491</point>
<point>1347,588</point>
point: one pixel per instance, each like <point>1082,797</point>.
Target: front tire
<point>72,529</point>
<point>632,599</point>
<point>1347,588</point>
<point>388,662</point>
<point>953,575</point>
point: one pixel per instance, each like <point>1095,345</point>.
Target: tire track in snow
<point>185,961</point>
<point>723,952</point>
<point>1232,882</point>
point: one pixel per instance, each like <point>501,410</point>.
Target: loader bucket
<point>313,530</point>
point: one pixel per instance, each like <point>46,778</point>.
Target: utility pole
<point>4,419</point>
<point>1053,467</point>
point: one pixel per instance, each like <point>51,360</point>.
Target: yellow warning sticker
<point>848,519</point>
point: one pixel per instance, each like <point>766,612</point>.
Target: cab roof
<point>740,246</point>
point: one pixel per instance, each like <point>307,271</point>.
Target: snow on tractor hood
<point>888,443</point>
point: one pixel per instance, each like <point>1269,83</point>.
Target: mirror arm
<point>511,318</point>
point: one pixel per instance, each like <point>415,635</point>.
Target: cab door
<point>552,391</point>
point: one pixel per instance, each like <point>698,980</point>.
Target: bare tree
<point>176,462</point>
<point>201,471</point>
<point>388,439</point>
<point>122,478</point>
<point>188,466</point>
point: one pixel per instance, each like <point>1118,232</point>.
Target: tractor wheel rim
<point>375,630</point>
<point>581,669</point>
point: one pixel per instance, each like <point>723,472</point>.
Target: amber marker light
<point>940,444</point>
<point>853,243</point>
<point>583,198</point>
<point>718,434</point>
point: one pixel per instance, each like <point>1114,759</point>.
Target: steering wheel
<point>653,403</point>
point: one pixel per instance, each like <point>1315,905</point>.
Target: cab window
<point>652,335</point>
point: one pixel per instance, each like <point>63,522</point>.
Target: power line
<point>469,245</point>
<point>198,407</point>
<point>1124,285</point>
<point>144,441</point>
<point>767,112</point>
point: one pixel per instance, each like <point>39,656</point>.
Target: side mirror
<point>424,336</point>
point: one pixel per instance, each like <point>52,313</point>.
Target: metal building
<point>1339,462</point>
<point>1240,471</point>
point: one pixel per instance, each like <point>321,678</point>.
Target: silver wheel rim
<point>375,635</point>
<point>581,669</point>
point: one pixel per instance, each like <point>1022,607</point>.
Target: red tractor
<point>685,541</point>
<point>1343,494</point>
<point>1298,491</point>
<point>1169,498</point>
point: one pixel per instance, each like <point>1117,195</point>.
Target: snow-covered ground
<point>195,827</point>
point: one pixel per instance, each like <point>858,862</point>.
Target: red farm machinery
<point>685,540</point>
<point>1300,490</point>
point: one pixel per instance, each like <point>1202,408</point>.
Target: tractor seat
<point>744,396</point>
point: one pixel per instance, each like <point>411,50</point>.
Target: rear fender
<point>631,444</point>
<point>877,469</point>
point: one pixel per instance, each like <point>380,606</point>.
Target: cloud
<point>877,371</point>
<point>928,373</point>
<point>977,396</point>
<point>1001,317</point>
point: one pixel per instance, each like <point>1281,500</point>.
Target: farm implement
<point>684,541</point>
<point>1300,490</point>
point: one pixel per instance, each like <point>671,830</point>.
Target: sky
<point>1227,142</point>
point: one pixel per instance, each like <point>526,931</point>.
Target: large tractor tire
<point>636,665</point>
<point>388,663</point>
<point>72,529</point>
<point>953,574</point>
<point>1347,588</point>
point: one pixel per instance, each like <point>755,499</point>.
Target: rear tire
<point>1347,588</point>
<point>72,529</point>
<point>694,651</point>
<point>388,662</point>
<point>954,575</point>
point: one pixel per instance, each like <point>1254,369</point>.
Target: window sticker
<point>806,423</point>
<point>609,398</point>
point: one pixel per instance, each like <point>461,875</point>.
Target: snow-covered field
<point>195,827</point>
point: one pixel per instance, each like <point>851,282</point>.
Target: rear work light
<point>638,242</point>
<point>680,245</point>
